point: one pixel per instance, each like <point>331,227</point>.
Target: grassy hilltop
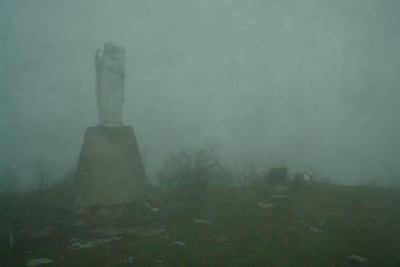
<point>319,225</point>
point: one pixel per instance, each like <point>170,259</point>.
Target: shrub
<point>195,169</point>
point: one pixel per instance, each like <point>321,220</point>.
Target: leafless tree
<point>41,169</point>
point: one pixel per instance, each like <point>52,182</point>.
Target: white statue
<point>110,84</point>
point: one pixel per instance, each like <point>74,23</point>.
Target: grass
<point>359,220</point>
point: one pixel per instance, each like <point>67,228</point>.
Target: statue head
<point>109,47</point>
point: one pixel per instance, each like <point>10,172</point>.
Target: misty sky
<point>304,82</point>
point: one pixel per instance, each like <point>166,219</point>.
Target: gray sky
<point>307,82</point>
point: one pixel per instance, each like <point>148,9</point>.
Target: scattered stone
<point>265,204</point>
<point>314,229</point>
<point>79,244</point>
<point>357,261</point>
<point>139,230</point>
<point>162,260</point>
<point>203,221</point>
<point>179,243</point>
<point>152,208</point>
<point>38,262</point>
<point>130,218</point>
<point>123,260</point>
<point>151,231</point>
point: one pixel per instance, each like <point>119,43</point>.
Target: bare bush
<point>246,172</point>
<point>195,169</point>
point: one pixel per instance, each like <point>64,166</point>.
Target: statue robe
<point>110,87</point>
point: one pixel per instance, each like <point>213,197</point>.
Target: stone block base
<point>110,169</point>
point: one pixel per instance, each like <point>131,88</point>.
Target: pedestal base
<point>110,169</point>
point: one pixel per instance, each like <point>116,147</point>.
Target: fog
<point>301,83</point>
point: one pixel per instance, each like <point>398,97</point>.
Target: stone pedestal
<point>110,169</point>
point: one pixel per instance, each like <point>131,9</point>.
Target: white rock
<point>38,262</point>
<point>314,229</point>
<point>206,221</point>
<point>265,205</point>
<point>79,244</point>
<point>152,208</point>
<point>356,258</point>
<point>179,243</point>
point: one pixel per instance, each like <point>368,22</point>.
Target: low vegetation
<point>209,216</point>
<point>193,170</point>
<point>226,228</point>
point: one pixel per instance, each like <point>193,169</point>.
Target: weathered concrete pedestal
<point>110,169</point>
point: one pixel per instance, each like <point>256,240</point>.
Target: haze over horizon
<point>308,83</point>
